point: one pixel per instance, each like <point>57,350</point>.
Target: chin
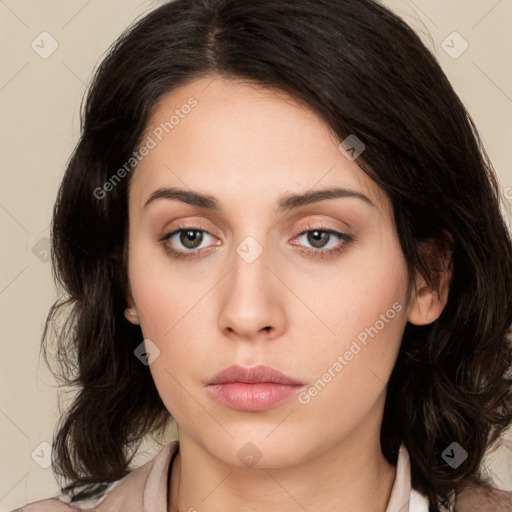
<point>258,449</point>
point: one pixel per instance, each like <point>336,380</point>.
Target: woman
<point>280,230</point>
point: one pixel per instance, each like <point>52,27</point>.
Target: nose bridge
<point>249,302</point>
<point>249,279</point>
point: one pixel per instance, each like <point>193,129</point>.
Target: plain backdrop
<point>49,50</point>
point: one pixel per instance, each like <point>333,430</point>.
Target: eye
<point>186,242</point>
<point>323,241</point>
<point>192,241</point>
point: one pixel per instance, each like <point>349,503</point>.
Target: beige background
<point>39,106</point>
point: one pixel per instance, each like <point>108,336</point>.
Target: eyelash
<point>321,253</point>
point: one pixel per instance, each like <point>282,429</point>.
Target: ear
<point>130,312</point>
<point>428,300</point>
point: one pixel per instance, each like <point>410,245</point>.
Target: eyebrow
<point>286,203</point>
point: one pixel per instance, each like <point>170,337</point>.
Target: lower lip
<point>252,397</point>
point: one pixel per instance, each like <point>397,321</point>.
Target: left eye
<point>320,238</point>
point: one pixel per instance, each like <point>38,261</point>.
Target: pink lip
<point>252,389</point>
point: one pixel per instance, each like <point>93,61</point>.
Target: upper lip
<point>253,374</point>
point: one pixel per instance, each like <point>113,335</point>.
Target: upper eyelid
<point>220,225</point>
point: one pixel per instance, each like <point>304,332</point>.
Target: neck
<point>350,476</point>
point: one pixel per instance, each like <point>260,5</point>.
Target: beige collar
<point>150,482</point>
<point>403,497</point>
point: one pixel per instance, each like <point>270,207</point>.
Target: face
<point>316,289</point>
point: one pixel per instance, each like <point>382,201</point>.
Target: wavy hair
<point>365,72</point>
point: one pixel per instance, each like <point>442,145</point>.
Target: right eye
<point>185,242</point>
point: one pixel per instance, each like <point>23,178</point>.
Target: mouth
<point>252,389</point>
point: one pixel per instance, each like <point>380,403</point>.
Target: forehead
<point>216,133</point>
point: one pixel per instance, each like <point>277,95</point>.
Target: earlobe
<point>426,307</point>
<point>131,315</point>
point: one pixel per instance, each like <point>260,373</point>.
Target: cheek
<point>365,309</point>
<point>174,318</point>
<point>366,292</point>
<point>162,288</point>
<point>176,314</point>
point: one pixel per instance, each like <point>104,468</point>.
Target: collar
<point>405,498</point>
<point>154,487</point>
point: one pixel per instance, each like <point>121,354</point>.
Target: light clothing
<point>145,490</point>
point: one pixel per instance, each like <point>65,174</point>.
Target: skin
<point>294,311</point>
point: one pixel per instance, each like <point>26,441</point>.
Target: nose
<point>252,303</point>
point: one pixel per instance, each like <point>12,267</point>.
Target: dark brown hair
<point>365,72</point>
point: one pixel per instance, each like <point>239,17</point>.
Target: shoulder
<point>128,488</point>
<point>476,498</point>
<point>125,494</point>
<point>49,505</point>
